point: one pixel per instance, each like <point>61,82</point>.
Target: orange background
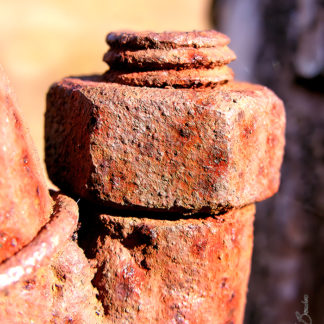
<point>42,41</point>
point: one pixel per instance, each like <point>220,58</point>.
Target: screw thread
<point>169,59</point>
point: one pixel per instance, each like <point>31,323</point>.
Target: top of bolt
<point>165,40</point>
<point>169,59</point>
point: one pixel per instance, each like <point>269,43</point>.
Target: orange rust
<point>170,59</point>
<point>25,204</point>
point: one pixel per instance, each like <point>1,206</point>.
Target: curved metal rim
<point>41,249</point>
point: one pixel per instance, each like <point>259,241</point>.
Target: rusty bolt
<point>177,59</point>
<point>165,128</point>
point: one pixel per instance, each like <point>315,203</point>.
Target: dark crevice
<point>136,238</point>
<point>140,240</point>
<point>95,282</point>
<point>172,214</point>
<point>90,231</point>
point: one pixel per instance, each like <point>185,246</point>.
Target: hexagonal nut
<point>180,150</point>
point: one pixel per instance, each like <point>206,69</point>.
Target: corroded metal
<point>167,130</point>
<point>178,59</point>
<point>181,150</point>
<point>49,280</point>
<point>175,271</point>
<point>41,249</point>
<point>25,204</point>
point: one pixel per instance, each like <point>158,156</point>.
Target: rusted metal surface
<point>25,204</point>
<point>177,59</point>
<point>192,78</point>
<point>183,271</point>
<point>40,251</point>
<point>58,293</point>
<point>166,40</point>
<point>49,280</point>
<point>166,130</point>
<point>181,150</point>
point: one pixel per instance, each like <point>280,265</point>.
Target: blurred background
<point>41,41</point>
<point>278,43</point>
